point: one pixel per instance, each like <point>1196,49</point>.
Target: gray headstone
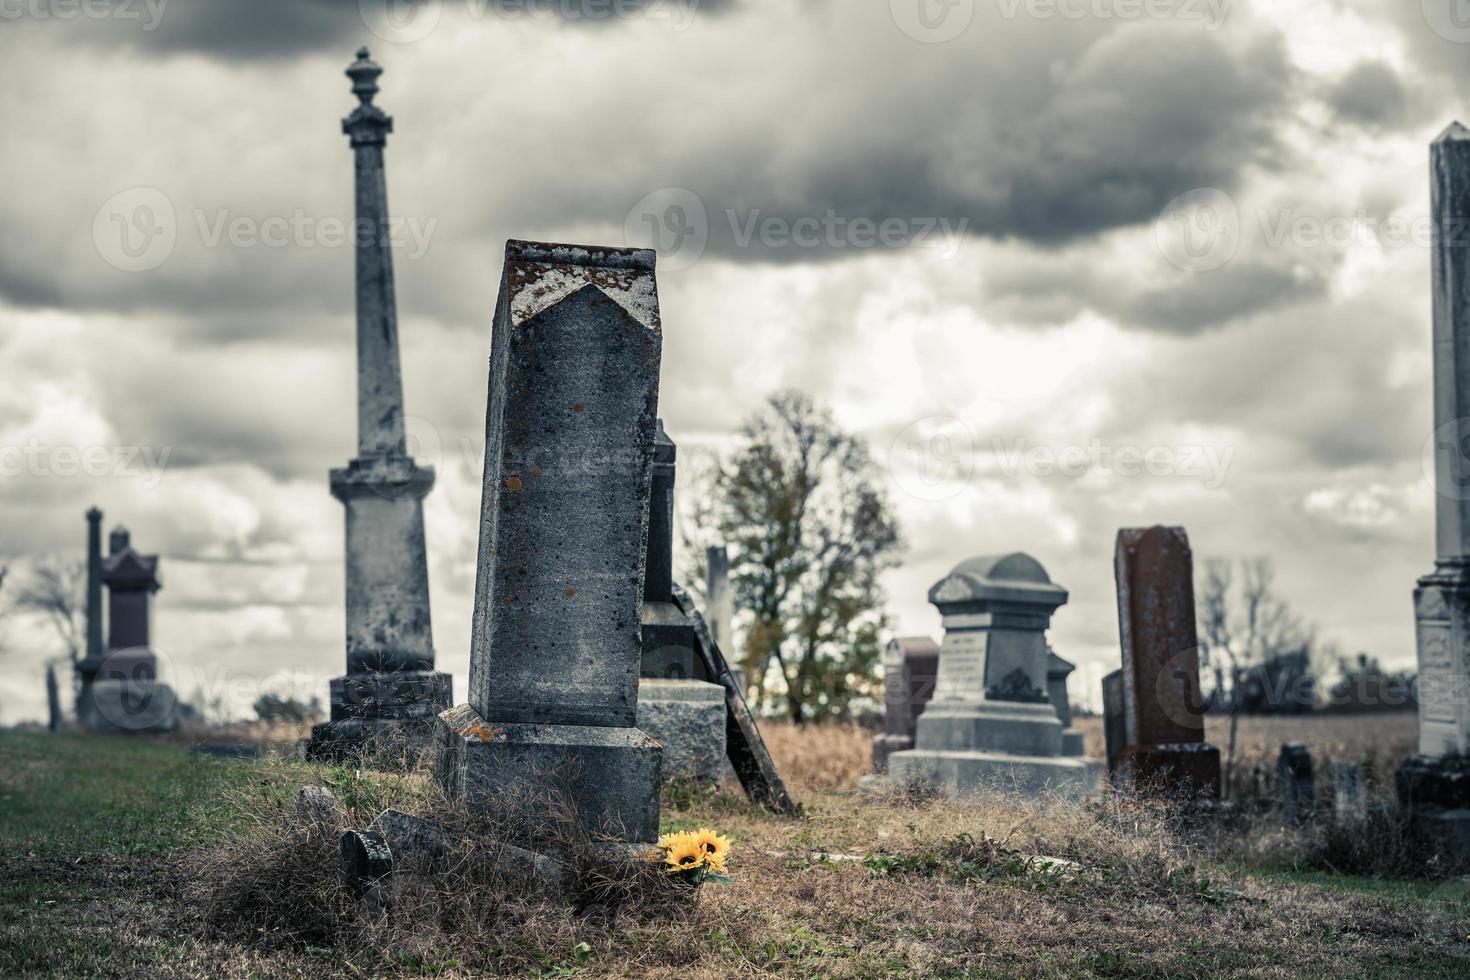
<point>720,598</point>
<point>1349,793</point>
<point>1294,774</point>
<point>569,447</point>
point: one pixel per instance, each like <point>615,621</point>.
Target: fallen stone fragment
<point>315,806</point>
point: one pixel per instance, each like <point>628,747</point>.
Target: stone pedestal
<point>1057,672</point>
<point>569,447</point>
<point>1162,727</point>
<point>990,724</point>
<point>386,701</point>
<point>1435,784</point>
<point>687,718</point>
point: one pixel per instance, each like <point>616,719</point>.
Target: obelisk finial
<point>368,124</point>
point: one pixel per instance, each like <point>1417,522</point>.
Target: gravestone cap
<point>1007,580</point>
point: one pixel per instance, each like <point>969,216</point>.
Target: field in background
<point>833,757</point>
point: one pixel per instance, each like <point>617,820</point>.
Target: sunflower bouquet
<point>695,856</point>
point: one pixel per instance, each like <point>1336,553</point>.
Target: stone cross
<point>990,722</point>
<point>720,600</point>
<point>569,456</point>
<point>1294,773</point>
<point>910,665</point>
<point>1163,726</point>
<point>391,690</point>
<point>1435,784</point>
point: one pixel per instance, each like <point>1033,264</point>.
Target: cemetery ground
<point>133,857</point>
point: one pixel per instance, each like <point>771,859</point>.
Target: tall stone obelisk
<point>96,650</point>
<point>391,691</point>
<point>1436,783</point>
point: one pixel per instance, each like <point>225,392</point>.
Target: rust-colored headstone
<point>1164,746</point>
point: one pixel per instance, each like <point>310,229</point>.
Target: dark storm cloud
<point>1371,93</point>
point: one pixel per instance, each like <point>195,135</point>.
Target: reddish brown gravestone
<point>1164,746</point>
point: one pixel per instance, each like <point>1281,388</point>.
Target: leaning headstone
<point>1294,774</point>
<point>744,747</point>
<point>569,443</point>
<point>719,597</point>
<point>990,723</point>
<point>391,692</point>
<point>1349,794</point>
<point>126,695</point>
<point>910,665</point>
<point>1435,783</point>
<point>1164,748</point>
<point>677,706</point>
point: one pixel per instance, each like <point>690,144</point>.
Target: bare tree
<point>1245,634</point>
<point>56,589</point>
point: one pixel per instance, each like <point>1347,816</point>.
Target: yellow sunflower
<point>715,847</point>
<point>682,853</point>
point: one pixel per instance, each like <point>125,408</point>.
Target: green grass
<point>88,795</point>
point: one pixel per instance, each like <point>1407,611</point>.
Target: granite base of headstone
<point>991,725</point>
<point>131,707</point>
<point>1294,774</point>
<point>381,714</point>
<point>687,718</point>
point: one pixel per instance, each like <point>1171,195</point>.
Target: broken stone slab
<point>364,859</point>
<point>419,839</point>
<point>315,806</point>
<point>744,746</point>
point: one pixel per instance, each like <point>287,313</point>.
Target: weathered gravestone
<point>1163,727</point>
<point>391,692</point>
<point>1435,784</point>
<point>990,723</point>
<point>677,706</point>
<point>910,665</point>
<point>126,695</point>
<point>1057,672</point>
<point>718,595</point>
<point>1350,794</point>
<point>1294,773</point>
<point>569,444</point>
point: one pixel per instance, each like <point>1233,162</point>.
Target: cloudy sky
<point>1068,265</point>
